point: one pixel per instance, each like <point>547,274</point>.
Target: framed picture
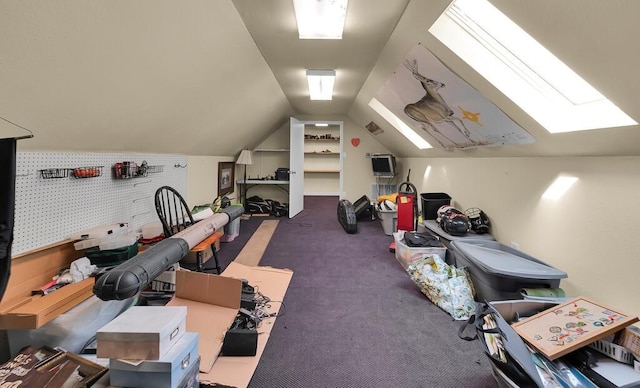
<point>225,177</point>
<point>571,325</point>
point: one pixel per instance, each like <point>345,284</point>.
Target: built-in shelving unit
<point>322,146</point>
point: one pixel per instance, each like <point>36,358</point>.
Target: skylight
<point>524,70</point>
<point>398,124</point>
<point>320,19</point>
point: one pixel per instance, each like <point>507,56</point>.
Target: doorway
<point>316,160</point>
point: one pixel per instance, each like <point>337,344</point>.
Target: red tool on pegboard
<point>407,205</point>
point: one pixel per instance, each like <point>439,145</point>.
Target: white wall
<point>358,174</point>
<point>590,232</point>
<point>202,179</point>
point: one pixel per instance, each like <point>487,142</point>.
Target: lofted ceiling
<point>203,77</point>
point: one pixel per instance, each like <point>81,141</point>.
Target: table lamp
<point>244,159</point>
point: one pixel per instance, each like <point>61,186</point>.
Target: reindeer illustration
<point>432,111</point>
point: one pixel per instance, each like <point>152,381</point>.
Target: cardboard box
<point>213,302</point>
<point>142,333</point>
<point>167,372</point>
<point>33,312</point>
<point>630,339</point>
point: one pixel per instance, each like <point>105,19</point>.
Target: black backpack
<point>414,239</point>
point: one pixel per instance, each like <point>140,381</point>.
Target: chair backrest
<point>172,209</point>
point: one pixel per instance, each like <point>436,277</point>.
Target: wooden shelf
<point>322,153</point>
<point>332,140</point>
<point>323,171</point>
<point>271,150</point>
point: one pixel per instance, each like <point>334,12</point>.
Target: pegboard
<point>51,210</point>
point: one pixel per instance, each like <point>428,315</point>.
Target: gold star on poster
<point>470,116</point>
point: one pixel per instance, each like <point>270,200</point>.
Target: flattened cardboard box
<point>212,302</point>
<point>273,283</point>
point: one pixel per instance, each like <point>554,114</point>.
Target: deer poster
<point>444,109</point>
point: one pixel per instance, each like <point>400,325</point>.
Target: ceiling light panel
<point>320,19</point>
<point>524,70</point>
<point>321,84</point>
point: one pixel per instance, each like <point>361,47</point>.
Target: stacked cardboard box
<point>630,339</point>
<point>148,346</point>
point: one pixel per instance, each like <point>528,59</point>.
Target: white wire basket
<point>617,352</point>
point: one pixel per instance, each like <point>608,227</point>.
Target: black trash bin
<point>431,202</point>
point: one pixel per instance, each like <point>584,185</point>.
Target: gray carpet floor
<point>351,316</point>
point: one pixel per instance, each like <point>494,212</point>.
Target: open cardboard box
<point>212,303</point>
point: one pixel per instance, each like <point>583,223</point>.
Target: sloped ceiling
<point>150,76</point>
<point>594,38</point>
<point>203,77</point>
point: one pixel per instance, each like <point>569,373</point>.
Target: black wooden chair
<point>175,216</point>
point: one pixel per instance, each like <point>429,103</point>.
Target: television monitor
<point>384,165</point>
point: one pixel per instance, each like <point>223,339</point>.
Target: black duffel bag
<point>414,240</point>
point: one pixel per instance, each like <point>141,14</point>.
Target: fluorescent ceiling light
<point>524,70</point>
<point>559,187</point>
<point>322,125</point>
<point>321,84</point>
<point>398,124</point>
<point>320,19</point>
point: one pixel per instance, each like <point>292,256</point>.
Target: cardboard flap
<point>211,323</point>
<point>208,288</point>
<point>212,303</point>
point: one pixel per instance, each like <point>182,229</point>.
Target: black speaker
<point>363,207</point>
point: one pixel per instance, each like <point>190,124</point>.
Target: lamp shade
<point>245,157</point>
